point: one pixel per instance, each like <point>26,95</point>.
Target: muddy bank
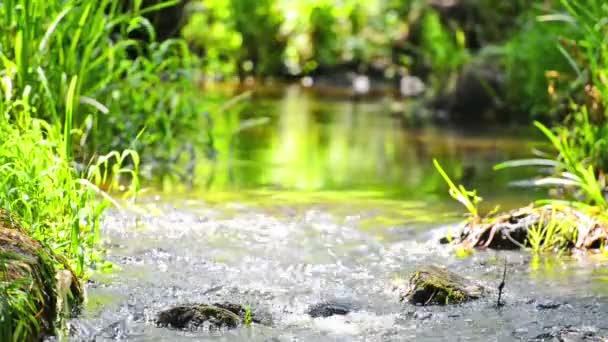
<point>545,228</point>
<point>38,287</point>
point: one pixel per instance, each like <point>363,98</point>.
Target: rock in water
<point>569,333</point>
<point>257,316</point>
<point>193,317</point>
<point>432,284</point>
<point>330,308</point>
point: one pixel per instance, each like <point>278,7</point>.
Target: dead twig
<point>501,286</point>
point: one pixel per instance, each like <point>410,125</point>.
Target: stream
<point>334,200</point>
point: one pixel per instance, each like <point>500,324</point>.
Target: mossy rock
<point>35,291</point>
<point>197,316</point>
<point>434,285</point>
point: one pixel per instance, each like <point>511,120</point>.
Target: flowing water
<point>333,200</point>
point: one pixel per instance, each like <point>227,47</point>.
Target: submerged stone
<point>257,316</point>
<point>434,285</point>
<point>197,316</point>
<point>570,333</point>
<point>210,316</point>
<point>330,308</point>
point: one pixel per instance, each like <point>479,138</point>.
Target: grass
<point>59,205</point>
<point>83,71</point>
<point>568,170</point>
<point>468,198</point>
<point>248,319</point>
<point>18,320</point>
<point>79,102</point>
<point>576,168</point>
<point>548,234</point>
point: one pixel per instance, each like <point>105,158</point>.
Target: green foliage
<point>272,35</point>
<point>75,90</point>
<point>548,234</point>
<point>238,36</point>
<point>580,142</point>
<point>84,72</point>
<point>39,185</point>
<point>444,51</point>
<point>529,57</point>
<point>209,31</point>
<point>468,198</point>
<point>18,310</point>
<point>248,320</point>
<point>570,169</point>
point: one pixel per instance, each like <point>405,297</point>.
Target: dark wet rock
<point>571,334</point>
<point>258,316</point>
<point>547,305</point>
<point>432,284</point>
<point>211,316</point>
<point>331,308</point>
<point>193,317</point>
<point>476,93</point>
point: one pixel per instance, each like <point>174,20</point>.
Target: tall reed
<point>86,73</point>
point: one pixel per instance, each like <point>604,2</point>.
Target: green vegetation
<point>248,319</point>
<point>80,101</point>
<point>468,198</point>
<point>91,100</point>
<point>281,37</point>
<point>577,167</point>
<point>81,68</point>
<point>536,45</point>
<point>434,285</point>
<point>548,234</point>
<point>38,288</point>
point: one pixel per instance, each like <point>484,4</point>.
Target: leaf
<point>527,162</point>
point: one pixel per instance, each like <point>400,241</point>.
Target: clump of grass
<point>55,204</point>
<point>468,198</point>
<point>569,170</point>
<point>248,319</point>
<point>548,234</point>
<point>18,320</point>
<point>58,205</point>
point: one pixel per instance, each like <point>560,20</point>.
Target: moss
<point>436,285</point>
<point>552,227</point>
<point>30,305</point>
<point>192,317</point>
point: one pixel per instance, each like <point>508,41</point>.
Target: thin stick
<point>501,287</point>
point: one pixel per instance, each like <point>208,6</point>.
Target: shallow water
<point>330,227</point>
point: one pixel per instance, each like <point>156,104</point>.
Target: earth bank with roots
<point>38,287</point>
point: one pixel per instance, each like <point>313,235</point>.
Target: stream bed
<point>330,203</point>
